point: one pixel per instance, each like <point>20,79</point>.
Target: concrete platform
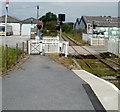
<point>107,93</point>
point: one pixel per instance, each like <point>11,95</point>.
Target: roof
<point>101,21</point>
<point>30,20</point>
<point>77,21</point>
<point>10,19</point>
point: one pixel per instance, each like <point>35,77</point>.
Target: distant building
<point>14,22</point>
<point>88,24</point>
<point>27,24</point>
<point>20,27</point>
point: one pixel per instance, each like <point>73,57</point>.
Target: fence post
<point>6,57</point>
<point>66,49</point>
<point>16,53</point>
<point>23,48</point>
<point>27,46</point>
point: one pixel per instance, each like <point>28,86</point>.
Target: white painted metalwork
<point>97,41</point>
<point>114,46</point>
<point>48,46</point>
<point>86,37</point>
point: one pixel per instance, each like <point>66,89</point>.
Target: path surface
<point>41,84</point>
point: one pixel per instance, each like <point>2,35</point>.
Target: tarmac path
<point>42,84</point>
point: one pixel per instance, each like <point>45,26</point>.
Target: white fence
<point>86,37</point>
<point>51,38</point>
<point>93,41</point>
<point>114,46</point>
<point>48,46</point>
<point>97,41</point>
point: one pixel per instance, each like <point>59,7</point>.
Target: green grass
<point>117,60</point>
<point>99,68</point>
<point>66,61</point>
<point>11,57</point>
<point>76,37</point>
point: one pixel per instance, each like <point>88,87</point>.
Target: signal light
<point>39,27</point>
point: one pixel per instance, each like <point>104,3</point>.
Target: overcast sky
<point>72,10</point>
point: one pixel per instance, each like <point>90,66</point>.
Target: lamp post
<point>5,44</point>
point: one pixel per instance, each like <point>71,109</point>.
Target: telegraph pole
<point>5,37</point>
<point>7,4</point>
<point>38,33</point>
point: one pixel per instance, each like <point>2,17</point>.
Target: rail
<point>96,56</point>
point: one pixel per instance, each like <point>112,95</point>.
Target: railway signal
<point>40,28</point>
<point>40,25</point>
<point>61,18</point>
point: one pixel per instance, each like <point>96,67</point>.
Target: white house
<point>27,24</point>
<point>20,27</point>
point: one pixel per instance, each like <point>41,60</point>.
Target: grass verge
<point>99,68</point>
<point>12,56</point>
<point>66,61</point>
<point>76,37</point>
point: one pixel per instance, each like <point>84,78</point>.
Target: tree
<point>66,28</point>
<point>49,20</point>
<point>49,17</point>
<point>50,25</point>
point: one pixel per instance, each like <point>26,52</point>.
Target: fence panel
<point>48,46</point>
<point>114,46</point>
<point>97,41</point>
<point>86,37</point>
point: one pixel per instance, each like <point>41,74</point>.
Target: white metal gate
<point>97,41</point>
<point>48,46</point>
<point>114,46</point>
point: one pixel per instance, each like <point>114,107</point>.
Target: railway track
<point>107,62</point>
<point>79,56</point>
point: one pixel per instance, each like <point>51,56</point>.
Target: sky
<point>73,10</point>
